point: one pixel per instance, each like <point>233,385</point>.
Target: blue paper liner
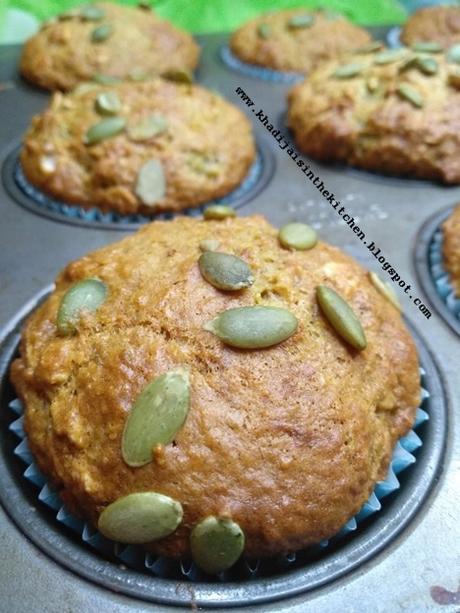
<point>258,72</point>
<point>73,211</point>
<point>136,558</point>
<point>440,276</point>
<point>394,37</point>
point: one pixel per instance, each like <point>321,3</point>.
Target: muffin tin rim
<point>362,547</point>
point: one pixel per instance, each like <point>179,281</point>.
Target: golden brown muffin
<point>381,111</point>
<point>275,41</point>
<point>114,41</point>
<point>451,248</point>
<point>203,143</point>
<point>440,24</point>
<point>286,441</point>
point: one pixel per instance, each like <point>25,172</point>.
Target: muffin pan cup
<point>257,72</point>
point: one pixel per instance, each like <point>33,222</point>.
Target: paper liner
<point>394,37</point>
<point>73,211</point>
<point>258,72</point>
<point>440,276</point>
<point>136,558</point>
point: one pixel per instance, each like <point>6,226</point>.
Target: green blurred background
<point>19,18</point>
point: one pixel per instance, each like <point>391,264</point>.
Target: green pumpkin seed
<point>83,296</point>
<point>139,75</point>
<point>108,103</point>
<point>389,56</point>
<point>148,128</point>
<point>106,79</point>
<point>406,92</point>
<point>91,12</point>
<point>85,87</point>
<point>216,544</point>
<point>102,33</point>
<point>453,54</point>
<point>264,30</point>
<point>209,244</point>
<point>178,75</point>
<point>347,71</point>
<point>427,47</point>
<point>427,65</point>
<point>225,271</point>
<point>341,317</point>
<point>145,5</point>
<point>156,417</point>
<point>297,236</point>
<point>385,289</point>
<point>151,183</point>
<point>104,129</point>
<point>72,14</point>
<point>410,62</point>
<point>140,518</point>
<point>253,327</point>
<point>304,20</point>
<point>370,48</point>
<point>218,211</point>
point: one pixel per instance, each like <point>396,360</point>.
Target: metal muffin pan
<point>35,248</point>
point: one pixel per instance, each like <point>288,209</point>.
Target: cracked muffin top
<point>270,425</point>
<point>451,247</point>
<point>394,111</point>
<point>138,147</point>
<point>296,40</point>
<point>105,40</point>
<point>440,24</point>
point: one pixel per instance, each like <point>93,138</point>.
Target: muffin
<point>295,40</point>
<point>277,445</point>
<point>138,147</point>
<point>392,111</point>
<point>451,248</point>
<point>437,24</point>
<point>105,41</point>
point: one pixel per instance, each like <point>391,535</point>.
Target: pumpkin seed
<point>139,75</point>
<point>225,271</point>
<point>86,295</point>
<point>104,129</point>
<point>406,92</point>
<point>209,244</point>
<point>385,289</point>
<point>428,65</point>
<point>108,103</point>
<point>140,518</point>
<point>144,4</point>
<point>85,87</point>
<point>178,75</point>
<point>341,316</point>
<point>264,30</point>
<point>216,544</point>
<point>297,236</point>
<point>453,54</point>
<point>102,33</point>
<point>148,128</point>
<point>346,71</point>
<point>427,47</point>
<point>91,12</point>
<point>253,327</point>
<point>410,62</point>
<point>106,79</point>
<point>151,183</point>
<point>156,417</point>
<point>72,14</point>
<point>389,55</point>
<point>218,211</point>
<point>454,78</point>
<point>305,20</point>
<point>370,48</point>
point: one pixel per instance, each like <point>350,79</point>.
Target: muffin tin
<point>352,570</point>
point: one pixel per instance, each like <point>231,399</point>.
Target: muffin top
<point>105,39</point>
<point>296,39</point>
<point>138,147</point>
<point>440,24</point>
<point>391,110</point>
<point>451,247</point>
<point>286,441</point>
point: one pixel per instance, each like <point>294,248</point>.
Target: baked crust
<point>296,49</point>
<point>440,24</point>
<point>451,247</point>
<point>287,441</point>
<point>61,54</point>
<point>345,120</point>
<point>205,151</point>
